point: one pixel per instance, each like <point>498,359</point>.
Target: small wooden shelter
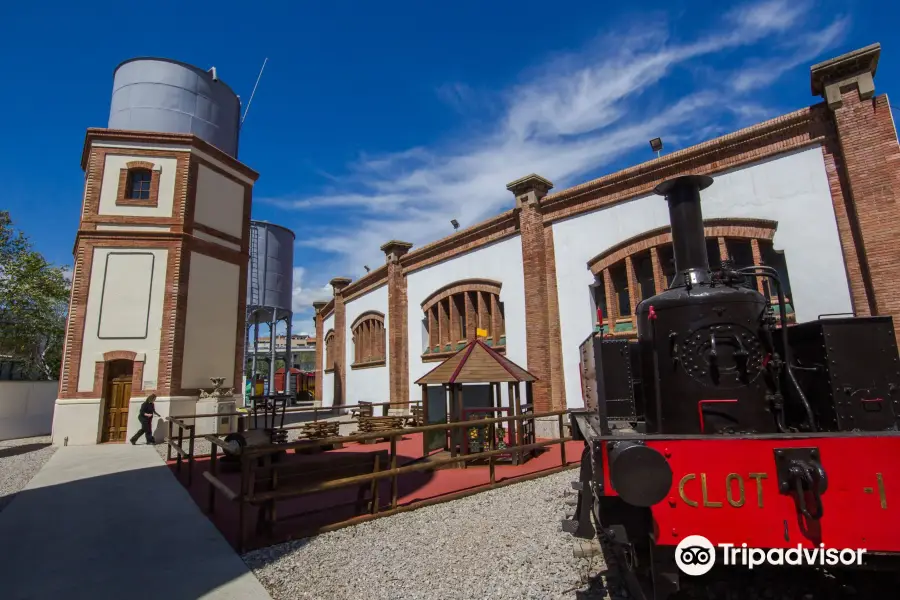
<point>475,363</point>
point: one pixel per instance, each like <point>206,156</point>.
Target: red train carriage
<point>303,384</point>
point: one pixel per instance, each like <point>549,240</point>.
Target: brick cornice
<point>218,234</point>
<point>782,134</point>
<point>370,281</point>
<point>118,135</point>
<point>124,239</point>
<point>487,232</point>
<point>327,310</point>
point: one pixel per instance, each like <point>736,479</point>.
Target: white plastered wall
<point>791,189</point>
<point>110,186</point>
<point>219,202</point>
<point>327,378</point>
<point>371,384</point>
<point>124,309</point>
<point>502,262</point>
<point>211,322</point>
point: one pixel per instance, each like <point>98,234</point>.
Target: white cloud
<point>567,119</point>
<point>302,297</point>
<point>802,50</point>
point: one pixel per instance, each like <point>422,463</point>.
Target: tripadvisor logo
<point>696,555</point>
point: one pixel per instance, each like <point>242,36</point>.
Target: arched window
<point>644,265</point>
<point>138,184</point>
<point>368,340</point>
<point>454,314</point>
<point>329,351</point>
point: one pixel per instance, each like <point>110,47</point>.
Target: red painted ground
<point>411,487</point>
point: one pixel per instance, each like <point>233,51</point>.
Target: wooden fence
<point>256,464</point>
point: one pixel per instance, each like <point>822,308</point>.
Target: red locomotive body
<point>727,490</point>
<point>724,422</point>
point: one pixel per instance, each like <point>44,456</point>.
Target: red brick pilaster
<point>558,391</point>
<point>870,154</point>
<point>398,351</point>
<point>528,192</point>
<point>320,347</point>
<point>340,340</point>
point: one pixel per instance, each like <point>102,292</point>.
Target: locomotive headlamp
<point>640,475</point>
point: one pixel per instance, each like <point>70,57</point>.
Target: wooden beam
<point>495,319</point>
<point>612,301</point>
<point>633,289</point>
<point>757,260</point>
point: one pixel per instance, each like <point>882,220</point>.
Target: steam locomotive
<point>724,422</point>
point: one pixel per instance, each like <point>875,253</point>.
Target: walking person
<point>146,418</point>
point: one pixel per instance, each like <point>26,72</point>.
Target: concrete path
<point>111,521</point>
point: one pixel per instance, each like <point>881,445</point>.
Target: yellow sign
<point>482,333</point>
<point>734,493</point>
<point>736,488</point>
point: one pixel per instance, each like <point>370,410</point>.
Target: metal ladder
<point>254,272</point>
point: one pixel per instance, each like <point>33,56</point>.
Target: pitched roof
<point>476,363</point>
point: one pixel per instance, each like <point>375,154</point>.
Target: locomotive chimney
<point>688,239</point>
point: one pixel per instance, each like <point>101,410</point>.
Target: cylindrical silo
<point>167,96</point>
<point>270,280</point>
<point>270,285</point>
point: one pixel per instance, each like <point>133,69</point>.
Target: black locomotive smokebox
<point>639,474</point>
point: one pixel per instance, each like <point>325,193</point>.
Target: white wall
<point>26,408</point>
<point>110,186</point>
<point>219,203</point>
<point>211,322</point>
<point>792,190</point>
<point>79,420</point>
<point>371,384</point>
<point>327,378</point>
<point>215,240</point>
<point>139,277</point>
<point>501,262</point>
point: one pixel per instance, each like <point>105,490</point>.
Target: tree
<point>34,298</point>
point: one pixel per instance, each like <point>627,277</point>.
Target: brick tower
<point>159,284</point>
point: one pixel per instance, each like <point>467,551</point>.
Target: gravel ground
<point>504,543</point>
<point>20,460</point>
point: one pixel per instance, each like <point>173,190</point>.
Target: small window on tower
<point>139,184</point>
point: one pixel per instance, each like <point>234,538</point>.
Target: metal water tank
<point>167,96</point>
<point>270,278</point>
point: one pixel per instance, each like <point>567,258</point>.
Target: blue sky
<point>385,120</point>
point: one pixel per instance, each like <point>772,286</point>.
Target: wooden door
<point>115,417</point>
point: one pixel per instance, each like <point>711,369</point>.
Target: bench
<point>378,424</point>
<point>274,482</point>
